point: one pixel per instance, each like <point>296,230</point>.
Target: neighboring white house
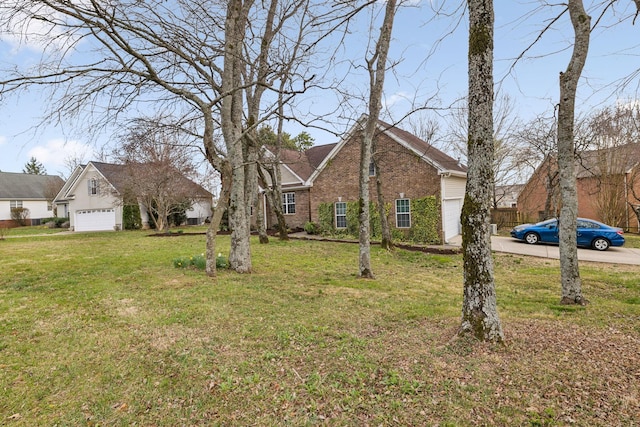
<point>92,198</point>
<point>33,192</point>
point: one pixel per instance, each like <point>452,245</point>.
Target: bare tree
<point>538,139</point>
<point>569,271</point>
<point>613,134</point>
<point>479,307</point>
<point>158,162</point>
<point>506,168</point>
<point>198,58</point>
<point>377,67</point>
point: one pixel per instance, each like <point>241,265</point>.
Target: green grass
<point>631,240</point>
<point>32,230</point>
<point>101,329</point>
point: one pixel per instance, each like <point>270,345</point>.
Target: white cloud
<point>22,31</point>
<point>3,140</point>
<point>55,153</point>
<point>395,99</point>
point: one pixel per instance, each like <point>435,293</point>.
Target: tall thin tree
<point>377,67</point>
<point>569,271</point>
<point>479,307</point>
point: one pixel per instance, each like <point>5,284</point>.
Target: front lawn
<point>101,329</point>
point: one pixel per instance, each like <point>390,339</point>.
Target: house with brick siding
<point>608,184</point>
<point>410,170</point>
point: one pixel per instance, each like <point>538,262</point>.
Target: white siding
<point>453,191</point>
<point>82,201</point>
<point>200,210</point>
<point>5,210</point>
<point>37,209</point>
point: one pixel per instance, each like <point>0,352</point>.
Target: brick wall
<point>401,172</point>
<point>532,200</point>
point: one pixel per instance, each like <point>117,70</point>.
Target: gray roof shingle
<point>24,186</point>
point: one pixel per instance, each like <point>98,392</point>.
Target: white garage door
<point>95,219</point>
<point>451,211</point>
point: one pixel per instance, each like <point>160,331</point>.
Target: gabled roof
<point>612,160</point>
<point>117,176</point>
<point>445,164</point>
<point>441,161</point>
<point>302,164</point>
<point>24,186</point>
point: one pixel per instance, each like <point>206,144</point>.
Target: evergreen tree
<point>34,167</point>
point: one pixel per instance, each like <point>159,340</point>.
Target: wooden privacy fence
<point>505,217</point>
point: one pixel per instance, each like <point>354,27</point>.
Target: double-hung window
<point>15,204</point>
<point>403,213</point>
<point>372,168</point>
<point>93,187</point>
<point>341,214</point>
<point>289,203</point>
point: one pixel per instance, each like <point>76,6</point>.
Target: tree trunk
<point>479,307</point>
<point>364,235</point>
<point>569,271</point>
<point>274,195</point>
<point>377,67</point>
<point>216,218</point>
<point>263,238</point>
<point>386,242</point>
<point>240,253</point>
<point>231,113</point>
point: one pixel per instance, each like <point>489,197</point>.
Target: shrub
<point>20,215</point>
<point>54,222</point>
<point>312,228</point>
<point>199,262</point>
<point>131,217</point>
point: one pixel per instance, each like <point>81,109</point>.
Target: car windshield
<point>546,223</point>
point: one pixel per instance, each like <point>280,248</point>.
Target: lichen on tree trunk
<point>479,307</point>
<point>569,270</point>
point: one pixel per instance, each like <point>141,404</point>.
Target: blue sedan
<point>591,233</point>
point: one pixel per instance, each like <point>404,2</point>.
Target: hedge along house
<point>423,187</point>
<point>94,198</point>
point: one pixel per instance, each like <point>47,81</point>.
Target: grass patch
<point>33,230</point>
<point>102,329</point>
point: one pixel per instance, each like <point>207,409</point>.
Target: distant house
<point>606,181</point>
<point>507,195</point>
<point>93,198</point>
<point>326,177</point>
<point>27,191</point>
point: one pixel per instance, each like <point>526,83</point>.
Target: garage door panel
<point>95,219</point>
<point>452,211</point>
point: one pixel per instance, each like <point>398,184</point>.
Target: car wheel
<point>600,244</point>
<point>531,238</point>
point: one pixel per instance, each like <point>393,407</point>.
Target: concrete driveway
<point>618,255</point>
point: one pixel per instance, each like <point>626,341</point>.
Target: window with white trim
<point>15,204</point>
<point>403,213</point>
<point>49,206</point>
<point>289,203</point>
<point>93,187</point>
<point>341,214</point>
<point>372,168</point>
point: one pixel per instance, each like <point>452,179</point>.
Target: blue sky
<point>432,66</point>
